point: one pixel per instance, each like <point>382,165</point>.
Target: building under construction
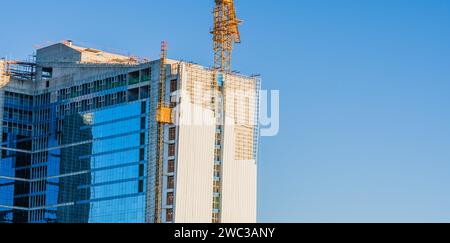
<point>91,136</point>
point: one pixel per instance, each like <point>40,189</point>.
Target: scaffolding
<point>163,117</point>
<point>19,70</point>
<point>239,104</point>
<point>3,77</point>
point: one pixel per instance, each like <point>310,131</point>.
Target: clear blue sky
<point>365,92</point>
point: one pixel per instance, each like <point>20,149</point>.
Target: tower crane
<point>225,35</point>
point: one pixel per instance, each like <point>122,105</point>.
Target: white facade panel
<point>196,146</point>
<point>194,182</point>
<point>239,178</point>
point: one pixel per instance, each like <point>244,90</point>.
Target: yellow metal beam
<point>225,34</point>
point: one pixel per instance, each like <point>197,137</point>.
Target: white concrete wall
<point>239,184</point>
<point>194,179</point>
<point>194,186</point>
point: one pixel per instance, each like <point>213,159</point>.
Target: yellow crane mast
<point>225,34</point>
<point>163,117</point>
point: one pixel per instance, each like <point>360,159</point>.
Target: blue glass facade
<point>80,141</point>
<point>82,158</point>
<point>111,186</point>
